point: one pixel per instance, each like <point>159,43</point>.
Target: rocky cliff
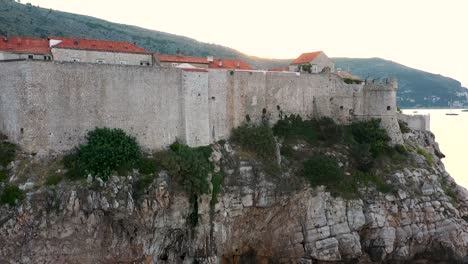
<point>255,218</point>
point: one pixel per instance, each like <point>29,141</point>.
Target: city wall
<point>50,106</point>
<point>416,122</point>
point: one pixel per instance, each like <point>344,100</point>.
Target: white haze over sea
<point>451,132</point>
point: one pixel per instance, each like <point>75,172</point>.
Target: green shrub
<point>449,190</point>
<point>217,183</point>
<point>329,131</point>
<point>364,179</point>
<point>3,176</point>
<point>146,165</point>
<point>322,170</point>
<point>256,138</point>
<point>370,132</point>
<point>7,153</point>
<point>11,195</point>
<point>362,156</point>
<point>293,127</point>
<point>427,155</point>
<point>53,180</point>
<point>404,127</point>
<point>106,150</point>
<point>192,167</point>
<point>401,149</point>
<point>141,185</point>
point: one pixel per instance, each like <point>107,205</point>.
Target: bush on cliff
<point>370,132</point>
<point>7,153</point>
<point>106,150</point>
<point>190,168</point>
<point>193,167</point>
<point>11,195</point>
<point>256,138</point>
<point>323,170</point>
<point>294,127</point>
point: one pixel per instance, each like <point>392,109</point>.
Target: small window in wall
<point>389,108</point>
<point>75,59</point>
<point>100,61</point>
<point>143,63</point>
<point>314,68</point>
<point>123,62</point>
<point>30,57</point>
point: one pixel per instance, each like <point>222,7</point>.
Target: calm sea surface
<point>451,132</point>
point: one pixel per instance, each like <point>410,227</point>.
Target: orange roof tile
<point>24,45</point>
<point>181,59</point>
<point>279,69</point>
<point>99,45</point>
<point>194,70</point>
<point>229,65</point>
<point>306,57</point>
<point>347,75</point>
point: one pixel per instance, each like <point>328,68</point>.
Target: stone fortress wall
<point>50,106</point>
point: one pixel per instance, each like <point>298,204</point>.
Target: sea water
<point>451,132</point>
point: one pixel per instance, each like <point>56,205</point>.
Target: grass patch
<point>404,127</point>
<point>449,190</point>
<point>427,155</point>
<point>3,176</point>
<point>11,195</point>
<point>53,180</point>
<point>7,153</point>
<point>324,170</point>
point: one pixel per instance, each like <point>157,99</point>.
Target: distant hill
<point>416,87</point>
<point>28,20</point>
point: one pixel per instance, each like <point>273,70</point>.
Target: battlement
<point>381,84</point>
<point>50,106</point>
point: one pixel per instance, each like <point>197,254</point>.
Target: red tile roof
<point>181,59</point>
<point>347,75</point>
<point>24,45</point>
<point>99,45</point>
<point>279,69</point>
<point>306,57</point>
<point>194,70</point>
<point>229,64</point>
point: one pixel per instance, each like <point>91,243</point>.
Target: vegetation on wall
<point>7,152</point>
<point>191,169</point>
<point>362,142</point>
<point>370,132</point>
<point>105,150</point>
<point>404,127</point>
<point>11,195</point>
<point>426,155</point>
<point>260,141</point>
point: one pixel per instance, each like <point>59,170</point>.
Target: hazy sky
<point>429,35</point>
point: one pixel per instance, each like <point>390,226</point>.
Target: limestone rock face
<point>254,221</point>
